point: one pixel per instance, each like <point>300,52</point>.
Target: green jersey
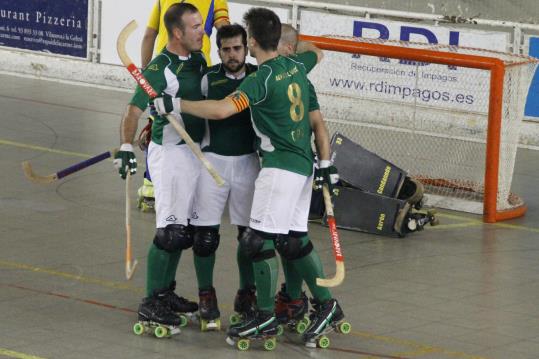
<point>309,59</point>
<point>278,95</point>
<point>176,76</point>
<point>235,135</point>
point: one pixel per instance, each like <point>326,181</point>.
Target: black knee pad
<point>173,238</point>
<point>205,241</point>
<point>289,246</point>
<point>251,244</point>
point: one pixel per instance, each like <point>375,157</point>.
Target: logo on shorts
<point>194,215</point>
<point>255,220</point>
<point>171,218</point>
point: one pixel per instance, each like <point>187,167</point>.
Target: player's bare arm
<point>321,134</point>
<point>129,124</point>
<point>146,48</point>
<point>304,46</point>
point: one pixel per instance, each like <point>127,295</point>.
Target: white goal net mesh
<point>429,119</point>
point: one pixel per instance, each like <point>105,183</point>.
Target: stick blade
<point>32,177</point>
<point>130,269</point>
<point>336,280</point>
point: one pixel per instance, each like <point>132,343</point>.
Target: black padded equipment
<point>251,244</point>
<point>173,237</point>
<point>205,241</point>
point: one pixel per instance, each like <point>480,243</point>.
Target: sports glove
<point>325,173</point>
<point>125,160</point>
<point>167,104</point>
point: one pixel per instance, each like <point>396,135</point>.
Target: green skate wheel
<point>184,320</point>
<point>345,327</point>
<point>234,319</point>
<point>280,330</point>
<point>138,329</point>
<point>218,323</point>
<point>323,342</point>
<point>243,344</point>
<point>301,327</point>
<point>270,344</point>
<point>203,325</point>
<point>160,332</point>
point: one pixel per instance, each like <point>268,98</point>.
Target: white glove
<point>167,104</point>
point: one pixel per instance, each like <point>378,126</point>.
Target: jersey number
<point>297,110</point>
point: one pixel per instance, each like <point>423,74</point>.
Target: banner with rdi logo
<point>59,27</point>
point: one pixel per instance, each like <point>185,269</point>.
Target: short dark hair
<point>230,31</point>
<point>174,14</point>
<point>264,26</point>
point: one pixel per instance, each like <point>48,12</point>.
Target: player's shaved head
<point>288,42</point>
<point>289,35</point>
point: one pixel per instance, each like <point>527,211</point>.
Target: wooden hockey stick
<point>337,252</point>
<point>129,266</point>
<point>33,177</point>
<point>145,85</point>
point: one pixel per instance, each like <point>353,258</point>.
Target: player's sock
<point>158,260</point>
<point>310,268</point>
<point>266,272</point>
<point>204,270</point>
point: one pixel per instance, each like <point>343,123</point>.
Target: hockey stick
<point>33,177</point>
<point>145,85</point>
<point>129,266</point>
<point>339,259</point>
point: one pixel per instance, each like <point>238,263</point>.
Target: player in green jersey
<point>278,96</point>
<point>238,163</point>
<point>176,71</point>
<point>291,304</point>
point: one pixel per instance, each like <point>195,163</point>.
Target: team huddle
<point>254,125</point>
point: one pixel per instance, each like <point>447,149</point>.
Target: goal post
<point>461,146</point>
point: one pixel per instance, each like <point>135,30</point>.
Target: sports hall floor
<point>461,290</point>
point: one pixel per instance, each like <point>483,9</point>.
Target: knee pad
<point>289,246</point>
<point>173,238</point>
<point>251,244</point>
<point>205,241</point>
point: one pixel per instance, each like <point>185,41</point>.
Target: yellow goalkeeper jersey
<point>212,11</point>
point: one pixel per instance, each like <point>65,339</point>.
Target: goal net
<point>449,116</point>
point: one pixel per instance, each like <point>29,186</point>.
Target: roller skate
<point>146,198</point>
<point>208,311</point>
<point>325,318</point>
<point>155,316</point>
<point>292,313</point>
<point>183,307</point>
<point>259,326</point>
<point>244,304</point>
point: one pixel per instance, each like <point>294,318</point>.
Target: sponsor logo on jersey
<point>153,67</point>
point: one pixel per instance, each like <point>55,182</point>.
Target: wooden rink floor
<point>461,290</point>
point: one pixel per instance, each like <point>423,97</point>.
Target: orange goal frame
<point>497,69</point>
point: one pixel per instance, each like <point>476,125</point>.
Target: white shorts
<point>239,173</point>
<point>175,172</point>
<point>281,201</point>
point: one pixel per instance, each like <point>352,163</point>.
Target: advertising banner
<point>532,103</point>
<point>404,81</point>
<point>59,27</point>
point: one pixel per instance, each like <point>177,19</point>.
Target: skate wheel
<point>243,344</point>
<point>301,327</point>
<point>323,342</point>
<point>138,329</point>
<point>434,222</point>
<point>160,332</point>
<point>280,330</point>
<point>217,324</point>
<point>345,327</point>
<point>183,320</point>
<point>203,325</point>
<point>234,319</point>
<point>270,344</point>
